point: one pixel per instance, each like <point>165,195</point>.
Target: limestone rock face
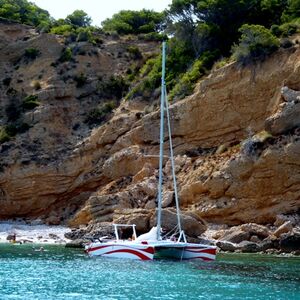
<point>63,167</point>
<point>287,117</point>
<point>254,186</point>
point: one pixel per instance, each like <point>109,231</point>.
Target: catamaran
<point>154,244</point>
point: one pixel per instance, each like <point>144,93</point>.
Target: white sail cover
<point>149,236</point>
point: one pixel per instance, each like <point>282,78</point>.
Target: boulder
<point>226,246</point>
<point>236,236</point>
<point>75,234</point>
<point>248,247</point>
<point>79,243</point>
<point>139,217</point>
<point>290,243</point>
<point>287,117</point>
<point>167,199</point>
<point>52,220</point>
<point>284,228</point>
<point>265,245</point>
<point>256,229</point>
<point>53,236</point>
<point>192,225</point>
<point>146,171</point>
<point>11,237</point>
<point>254,239</point>
<point>280,219</point>
<point>150,204</point>
<point>288,94</point>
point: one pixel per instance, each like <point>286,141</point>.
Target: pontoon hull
<point>121,250</point>
<point>185,252</point>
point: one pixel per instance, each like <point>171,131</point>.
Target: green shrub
<point>64,29</point>
<point>32,53</point>
<point>134,52</point>
<point>36,85</point>
<point>186,84</point>
<point>99,114</point>
<point>151,79</point>
<point>10,130</point>
<point>221,63</point>
<point>275,30</point>
<point>84,35</point>
<point>4,136</point>
<point>66,55</point>
<point>153,36</point>
<point>286,29</point>
<point>255,44</point>
<point>115,87</point>
<point>30,102</point>
<point>80,80</point>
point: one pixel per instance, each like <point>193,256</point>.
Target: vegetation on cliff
<point>24,12</point>
<point>200,34</point>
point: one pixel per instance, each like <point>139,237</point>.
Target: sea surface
<point>60,273</point>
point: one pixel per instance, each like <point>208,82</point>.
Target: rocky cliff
<point>236,139</point>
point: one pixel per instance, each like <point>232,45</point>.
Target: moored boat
<point>153,245</point>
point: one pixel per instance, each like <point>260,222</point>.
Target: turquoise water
<point>60,273</point>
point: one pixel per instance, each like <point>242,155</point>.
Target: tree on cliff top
<point>292,11</point>
<point>134,22</point>
<point>255,44</point>
<point>24,12</point>
<point>79,18</point>
<point>206,25</point>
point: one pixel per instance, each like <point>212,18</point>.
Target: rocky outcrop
<point>266,179</point>
<point>257,238</point>
<point>287,117</point>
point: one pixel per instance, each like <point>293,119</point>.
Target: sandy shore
<point>41,234</point>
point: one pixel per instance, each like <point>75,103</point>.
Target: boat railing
<point>116,226</point>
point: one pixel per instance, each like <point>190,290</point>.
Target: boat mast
<point>161,142</point>
<point>173,164</point>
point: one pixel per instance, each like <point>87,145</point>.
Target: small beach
<point>33,233</point>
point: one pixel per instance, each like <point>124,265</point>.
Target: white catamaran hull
<point>121,249</point>
<point>150,251</point>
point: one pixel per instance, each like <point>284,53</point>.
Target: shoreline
<point>32,233</point>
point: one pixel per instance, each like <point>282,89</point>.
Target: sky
<point>98,10</point>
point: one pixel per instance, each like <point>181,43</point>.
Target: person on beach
<point>13,238</point>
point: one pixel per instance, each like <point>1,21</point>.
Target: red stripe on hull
<point>140,255</point>
<point>149,250</point>
<point>194,250</point>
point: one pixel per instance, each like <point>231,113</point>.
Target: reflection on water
<point>255,267</point>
